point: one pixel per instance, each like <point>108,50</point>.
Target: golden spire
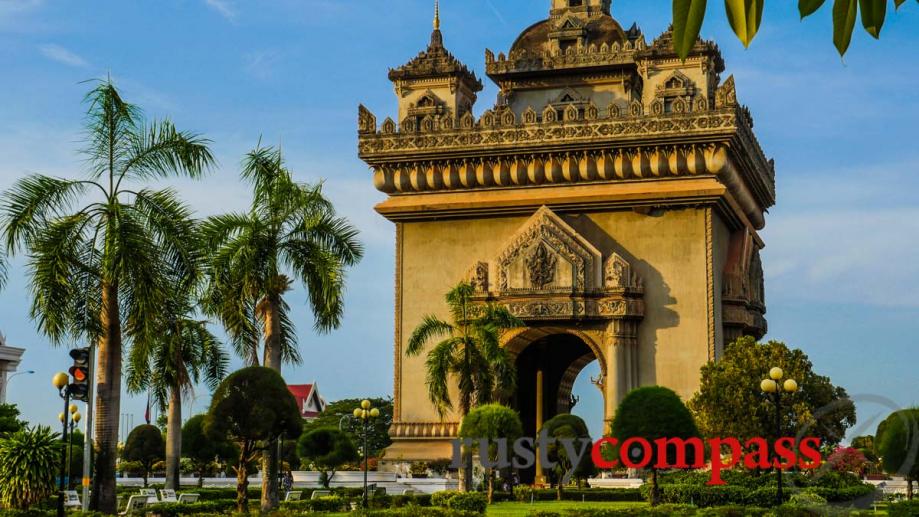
<point>437,15</point>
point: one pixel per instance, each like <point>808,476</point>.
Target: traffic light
<point>79,373</point>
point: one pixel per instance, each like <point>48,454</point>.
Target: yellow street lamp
<point>60,380</point>
<point>365,414</point>
<point>774,389</point>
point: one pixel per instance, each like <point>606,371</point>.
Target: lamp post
<point>364,417</point>
<point>60,381</point>
<point>75,418</point>
<point>774,389</point>
<point>8,378</point>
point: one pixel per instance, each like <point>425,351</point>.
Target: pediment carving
<point>547,254</point>
<point>547,271</point>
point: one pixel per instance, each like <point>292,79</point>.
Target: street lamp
<point>61,381</point>
<point>75,418</point>
<point>364,417</point>
<point>774,389</point>
<point>8,378</point>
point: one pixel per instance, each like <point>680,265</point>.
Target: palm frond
<point>160,151</point>
<point>170,223</point>
<point>331,233</point>
<point>110,122</point>
<point>439,365</point>
<point>430,328</point>
<point>290,352</point>
<point>55,261</point>
<point>31,203</point>
<point>323,277</point>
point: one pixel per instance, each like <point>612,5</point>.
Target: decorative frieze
<point>424,429</point>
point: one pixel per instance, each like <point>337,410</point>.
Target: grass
<point>515,509</point>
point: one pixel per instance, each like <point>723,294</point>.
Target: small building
<point>309,401</point>
<point>9,361</point>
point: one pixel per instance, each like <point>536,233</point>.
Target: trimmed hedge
<point>174,509</point>
<point>522,493</point>
<point>419,511</point>
<point>384,501</point>
<point>679,510</point>
<point>332,503</point>
<point>904,509</point>
<point>475,502</point>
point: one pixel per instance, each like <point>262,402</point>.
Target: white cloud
<point>62,55</point>
<point>261,64</point>
<point>223,7</point>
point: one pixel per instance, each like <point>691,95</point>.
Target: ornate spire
<point>437,15</point>
<point>437,39</point>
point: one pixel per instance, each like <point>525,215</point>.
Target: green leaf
<point>873,12</point>
<point>687,22</point>
<point>745,17</point>
<point>809,7</point>
<point>844,14</point>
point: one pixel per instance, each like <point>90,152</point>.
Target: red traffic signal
<point>79,372</point>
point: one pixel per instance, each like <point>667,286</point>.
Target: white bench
<point>188,498</point>
<point>150,493</point>
<point>320,493</point>
<point>168,495</point>
<point>136,503</point>
<point>71,499</point>
<point>293,496</point>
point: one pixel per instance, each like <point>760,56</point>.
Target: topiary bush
<point>29,464</point>
<point>464,501</point>
<point>523,493</point>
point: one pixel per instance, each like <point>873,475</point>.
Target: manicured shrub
<point>904,509</point>
<point>174,509</point>
<point>332,503</point>
<point>523,493</point>
<point>419,511</point>
<point>464,501</point>
<point>29,461</point>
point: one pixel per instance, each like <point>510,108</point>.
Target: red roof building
<point>309,402</point>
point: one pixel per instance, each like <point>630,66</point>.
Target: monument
<point>610,198</point>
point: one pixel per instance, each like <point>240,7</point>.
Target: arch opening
<point>548,365</point>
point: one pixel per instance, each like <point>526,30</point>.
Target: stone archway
<point>548,359</point>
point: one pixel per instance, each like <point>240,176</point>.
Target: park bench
<point>188,498</point>
<point>320,493</point>
<point>71,499</point>
<point>136,504</point>
<point>150,493</point>
<point>167,495</point>
<point>293,495</point>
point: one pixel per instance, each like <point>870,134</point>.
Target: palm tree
<point>101,252</point>
<point>291,232</point>
<point>471,351</point>
<point>183,354</point>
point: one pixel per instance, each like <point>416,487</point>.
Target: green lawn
<point>514,509</point>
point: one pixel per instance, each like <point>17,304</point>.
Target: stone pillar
<point>622,365</point>
<point>540,402</point>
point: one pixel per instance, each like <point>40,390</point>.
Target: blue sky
<point>841,258</point>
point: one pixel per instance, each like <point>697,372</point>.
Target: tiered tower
<point>610,198</point>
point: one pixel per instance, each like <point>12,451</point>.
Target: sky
<point>842,254</point>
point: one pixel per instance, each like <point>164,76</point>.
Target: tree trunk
<point>242,480</point>
<point>491,484</point>
<point>174,439</point>
<point>108,402</point>
<point>655,489</point>
<point>909,488</point>
<point>272,359</point>
<point>559,489</point>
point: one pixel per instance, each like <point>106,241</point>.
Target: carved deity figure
<point>541,266</point>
